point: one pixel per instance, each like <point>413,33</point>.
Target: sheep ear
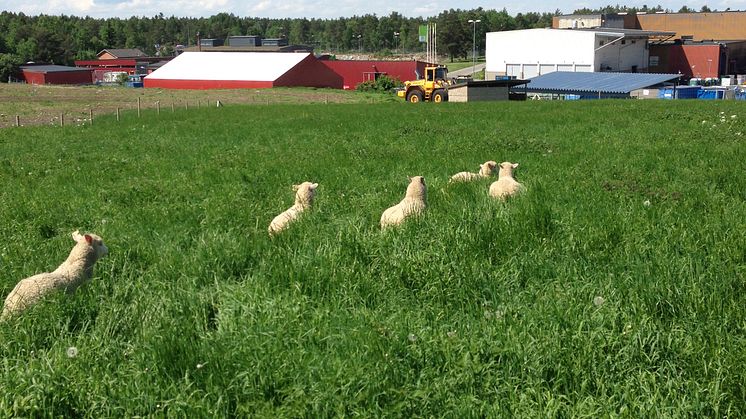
<point>515,165</point>
<point>76,236</point>
<point>481,166</point>
<point>296,187</point>
<point>88,238</point>
<point>422,180</point>
<point>314,185</point>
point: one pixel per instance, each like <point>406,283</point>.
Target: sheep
<point>72,273</point>
<point>486,170</point>
<point>304,195</point>
<point>414,202</point>
<point>506,185</point>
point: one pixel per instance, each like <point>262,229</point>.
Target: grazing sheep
<point>414,202</point>
<point>505,185</point>
<point>486,169</point>
<point>73,272</point>
<point>303,200</point>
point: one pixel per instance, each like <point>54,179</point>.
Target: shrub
<point>382,84</point>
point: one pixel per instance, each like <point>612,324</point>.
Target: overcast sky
<point>318,8</point>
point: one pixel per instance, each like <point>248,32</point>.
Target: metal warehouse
<point>231,70</point>
<point>531,52</point>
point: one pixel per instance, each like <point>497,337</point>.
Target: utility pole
<point>474,47</point>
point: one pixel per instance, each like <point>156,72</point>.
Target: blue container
<point>709,94</point>
<point>741,94</point>
<point>681,92</point>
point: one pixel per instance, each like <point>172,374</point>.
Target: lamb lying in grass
<point>303,201</point>
<point>486,170</point>
<point>73,272</point>
<point>414,202</point>
<point>506,185</point>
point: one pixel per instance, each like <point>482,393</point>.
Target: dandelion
<point>72,352</point>
<point>598,300</point>
<point>412,337</point>
<point>646,203</point>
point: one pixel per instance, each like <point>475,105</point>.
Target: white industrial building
<point>529,53</point>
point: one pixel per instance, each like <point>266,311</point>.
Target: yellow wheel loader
<point>432,88</point>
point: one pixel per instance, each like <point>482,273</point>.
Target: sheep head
<point>93,240</point>
<point>487,168</point>
<point>305,192</point>
<point>506,168</point>
<point>417,187</point>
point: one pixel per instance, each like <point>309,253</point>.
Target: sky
<point>324,9</point>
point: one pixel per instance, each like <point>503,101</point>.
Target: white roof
<point>250,66</point>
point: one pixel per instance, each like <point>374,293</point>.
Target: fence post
<point>186,105</point>
<point>158,106</point>
<point>18,121</point>
<point>62,119</point>
<point>138,107</point>
<point>172,107</point>
<point>90,115</point>
<point>117,114</point>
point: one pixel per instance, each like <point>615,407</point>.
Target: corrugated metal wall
<point>355,72</point>
<point>720,26</point>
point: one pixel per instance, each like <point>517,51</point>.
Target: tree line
<point>64,39</point>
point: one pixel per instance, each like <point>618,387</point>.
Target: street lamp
<point>474,46</point>
<point>396,42</point>
<point>359,42</point>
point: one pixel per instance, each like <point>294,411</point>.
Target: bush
<point>382,84</point>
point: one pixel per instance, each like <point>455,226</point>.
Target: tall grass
<point>613,286</point>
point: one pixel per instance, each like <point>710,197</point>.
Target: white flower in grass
<point>412,337</point>
<point>647,203</point>
<point>733,116</point>
<point>451,334</point>
<point>201,365</point>
<point>72,352</point>
<point>704,122</point>
<point>598,300</point>
<point>722,113</point>
<point>739,133</point>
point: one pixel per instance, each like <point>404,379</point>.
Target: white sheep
<point>73,272</point>
<point>414,202</point>
<point>506,185</point>
<point>486,170</point>
<point>303,201</point>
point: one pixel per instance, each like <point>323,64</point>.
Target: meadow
<point>614,286</point>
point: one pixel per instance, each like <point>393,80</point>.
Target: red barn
<point>356,72</point>
<point>56,74</point>
<point>231,70</point>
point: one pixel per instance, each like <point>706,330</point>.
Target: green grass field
<point>615,286</point>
